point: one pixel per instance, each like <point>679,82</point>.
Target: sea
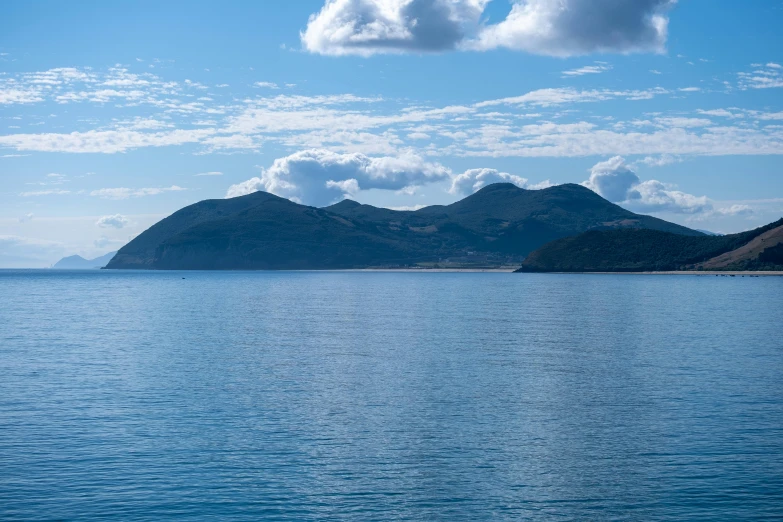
<point>133,395</point>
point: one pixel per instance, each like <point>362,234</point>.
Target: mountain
<point>653,250</point>
<point>707,232</point>
<point>78,262</point>
<point>498,225</point>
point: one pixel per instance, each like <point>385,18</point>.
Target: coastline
<point>731,273</point>
<point>509,270</point>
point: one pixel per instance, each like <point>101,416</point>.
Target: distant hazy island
<point>565,228</point>
<point>497,226</point>
<point>78,262</point>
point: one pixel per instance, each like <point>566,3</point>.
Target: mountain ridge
<point>498,225</point>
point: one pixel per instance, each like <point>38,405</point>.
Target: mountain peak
<point>344,204</point>
<point>259,195</point>
<point>499,187</point>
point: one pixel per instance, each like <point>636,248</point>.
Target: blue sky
<point>113,115</point>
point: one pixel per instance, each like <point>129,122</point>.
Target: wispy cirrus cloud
<point>721,113</point>
<point>588,69</point>
<point>659,161</point>
<point>680,122</point>
<point>51,192</point>
<point>735,210</point>
<point>125,193</point>
<point>561,96</point>
<point>767,76</point>
<point>167,116</point>
<point>107,142</point>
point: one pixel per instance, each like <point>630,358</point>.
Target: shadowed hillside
<point>763,252</point>
<point>140,252</point>
<point>499,225</point>
<point>653,250</point>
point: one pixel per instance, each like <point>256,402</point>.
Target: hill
<point>140,252</point>
<point>654,250</point>
<point>78,262</point>
<point>498,225</point>
<point>763,252</point>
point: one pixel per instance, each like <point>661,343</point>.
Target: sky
<point>113,115</point>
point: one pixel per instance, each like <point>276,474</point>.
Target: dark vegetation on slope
<point>646,250</point>
<point>140,252</point>
<point>498,225</point>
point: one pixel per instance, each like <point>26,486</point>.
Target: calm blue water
<point>242,396</point>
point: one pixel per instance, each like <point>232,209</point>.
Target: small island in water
<point>77,262</point>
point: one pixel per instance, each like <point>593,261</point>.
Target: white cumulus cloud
<point>577,27</point>
<point>616,181</point>
<point>366,27</point>
<point>548,27</point>
<point>319,177</point>
<point>115,221</point>
<point>474,179</point>
<point>612,179</point>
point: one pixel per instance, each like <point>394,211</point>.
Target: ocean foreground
<point>388,395</point>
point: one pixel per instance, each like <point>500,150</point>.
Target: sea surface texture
<point>389,396</point>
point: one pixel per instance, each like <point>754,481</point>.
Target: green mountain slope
<point>508,220</point>
<point>281,235</point>
<point>763,252</point>
<point>498,225</point>
<point>140,252</point>
<point>648,250</point>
